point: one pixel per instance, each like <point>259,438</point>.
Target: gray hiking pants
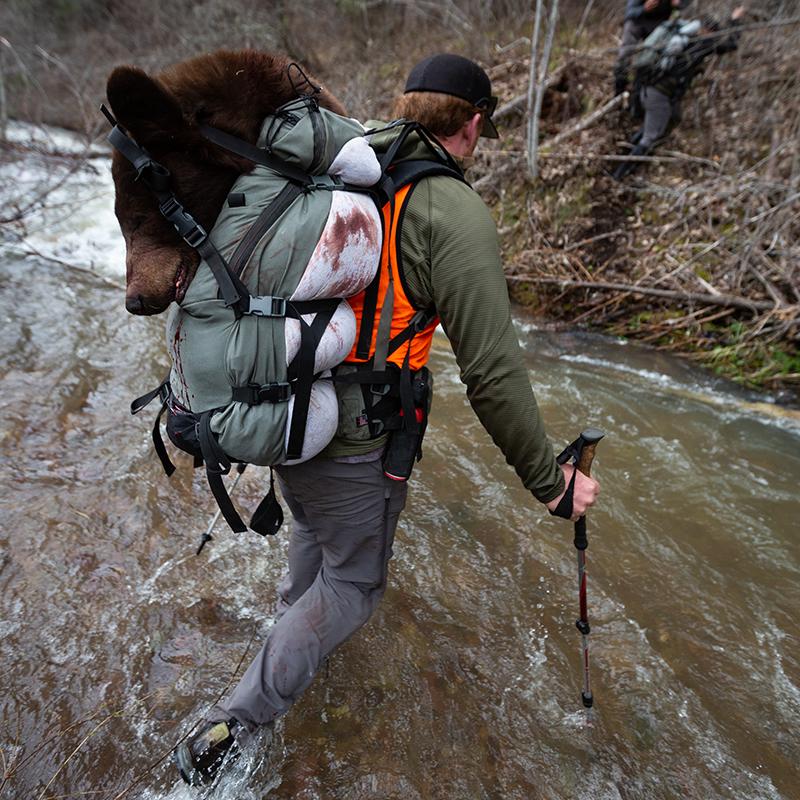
<point>659,112</point>
<point>345,515</point>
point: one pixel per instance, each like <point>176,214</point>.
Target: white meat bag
<point>323,419</point>
<point>356,163</point>
<point>344,262</point>
<point>348,252</point>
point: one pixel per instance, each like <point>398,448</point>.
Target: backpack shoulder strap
<point>412,171</point>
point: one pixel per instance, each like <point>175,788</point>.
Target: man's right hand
<point>584,494</point>
<point>651,5</point>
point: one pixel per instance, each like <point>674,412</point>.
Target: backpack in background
<point>661,49</point>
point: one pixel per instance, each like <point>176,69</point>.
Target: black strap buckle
<point>376,427</point>
<point>267,306</point>
<point>184,223</point>
<point>380,389</point>
<point>325,182</point>
<point>274,392</point>
<point>254,394</point>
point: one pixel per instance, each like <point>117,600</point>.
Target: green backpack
<point>661,48</point>
<point>264,319</point>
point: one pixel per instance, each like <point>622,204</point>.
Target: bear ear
<point>143,106</point>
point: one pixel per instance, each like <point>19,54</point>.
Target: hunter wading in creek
<point>441,262</point>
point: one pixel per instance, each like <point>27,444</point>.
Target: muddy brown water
<point>466,683</point>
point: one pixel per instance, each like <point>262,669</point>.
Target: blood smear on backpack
<point>336,342</point>
<point>348,252</point>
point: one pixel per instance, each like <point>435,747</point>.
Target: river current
<point>466,683</point>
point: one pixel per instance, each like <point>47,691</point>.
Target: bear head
<point>230,90</point>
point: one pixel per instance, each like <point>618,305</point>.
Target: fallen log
<point>588,120</point>
<point>725,300</point>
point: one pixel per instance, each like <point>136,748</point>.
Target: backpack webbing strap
<point>157,178</point>
<point>218,464</point>
<point>384,328</point>
<point>387,307</point>
<point>301,372</point>
<point>162,391</point>
<point>367,372</point>
<point>397,175</point>
<point>414,170</point>
<point>368,317</point>
<point>256,154</point>
<point>407,406</point>
<point>265,220</point>
<point>364,342</point>
<point>234,292</point>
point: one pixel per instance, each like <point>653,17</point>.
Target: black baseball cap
<point>458,76</point>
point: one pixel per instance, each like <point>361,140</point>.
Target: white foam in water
<point>74,222</point>
<point>731,406</point>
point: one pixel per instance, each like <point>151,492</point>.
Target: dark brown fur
<point>230,90</point>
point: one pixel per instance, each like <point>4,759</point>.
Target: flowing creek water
<point>466,683</point>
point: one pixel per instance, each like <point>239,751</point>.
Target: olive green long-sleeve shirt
<point>450,258</point>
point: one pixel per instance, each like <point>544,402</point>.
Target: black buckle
<point>376,427</point>
<point>380,389</point>
<point>325,182</point>
<point>184,223</point>
<point>196,236</point>
<point>267,306</point>
<point>274,392</point>
<point>170,206</point>
<point>254,394</point>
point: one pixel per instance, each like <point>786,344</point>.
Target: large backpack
<point>660,50</point>
<point>265,316</point>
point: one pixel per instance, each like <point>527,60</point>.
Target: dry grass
<point>707,229</point>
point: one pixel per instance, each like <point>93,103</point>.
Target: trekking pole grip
<point>590,437</point>
<point>588,444</point>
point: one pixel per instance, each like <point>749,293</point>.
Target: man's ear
<point>143,106</point>
<point>474,127</point>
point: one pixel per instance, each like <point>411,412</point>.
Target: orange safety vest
<point>418,346</point>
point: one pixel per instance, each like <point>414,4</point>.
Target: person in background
<point>660,89</point>
<point>642,17</point>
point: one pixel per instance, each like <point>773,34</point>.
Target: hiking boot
<point>199,758</point>
<point>626,167</point>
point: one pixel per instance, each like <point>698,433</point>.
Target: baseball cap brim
<point>489,130</point>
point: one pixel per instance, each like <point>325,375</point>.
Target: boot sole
<point>183,761</point>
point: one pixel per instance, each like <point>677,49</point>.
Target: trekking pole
<point>582,452</point>
<point>207,536</point>
<point>589,439</point>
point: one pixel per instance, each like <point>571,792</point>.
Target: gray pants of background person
<point>345,515</point>
<point>659,112</point>
<point>633,32</point>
